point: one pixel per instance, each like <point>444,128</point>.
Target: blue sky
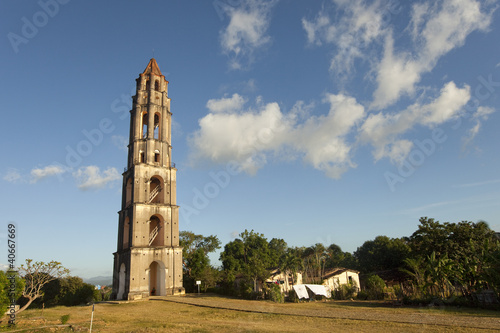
<point>318,121</point>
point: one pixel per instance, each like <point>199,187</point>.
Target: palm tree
<point>318,254</point>
<point>292,263</point>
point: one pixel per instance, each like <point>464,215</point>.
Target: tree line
<point>445,261</point>
<point>451,262</point>
<point>44,284</point>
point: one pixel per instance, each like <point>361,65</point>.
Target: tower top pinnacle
<point>152,67</point>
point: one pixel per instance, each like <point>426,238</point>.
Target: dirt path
<point>334,310</point>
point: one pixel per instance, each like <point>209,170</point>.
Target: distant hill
<point>100,280</point>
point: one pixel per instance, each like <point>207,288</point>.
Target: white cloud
<point>322,139</point>
<point>319,31</point>
<point>364,30</point>
<point>12,176</point>
<point>91,177</point>
<point>360,24</point>
<point>482,113</point>
<point>50,170</point>
<point>244,137</point>
<point>383,130</point>
<point>358,31</point>
<point>446,106</point>
<point>436,30</point>
<point>252,137</point>
<point>246,31</point>
<point>234,103</point>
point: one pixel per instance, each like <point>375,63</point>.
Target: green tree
<point>257,257</point>
<point>232,260</point>
<point>6,294</point>
<point>68,291</point>
<point>196,264</point>
<point>439,274</point>
<point>382,253</point>
<point>249,256</point>
<point>277,251</point>
<point>458,252</point>
<point>292,263</point>
<point>416,270</point>
<point>315,257</point>
<point>74,291</point>
<point>335,257</point>
<point>36,276</point>
<point>375,286</point>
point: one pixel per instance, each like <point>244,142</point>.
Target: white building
<point>335,277</point>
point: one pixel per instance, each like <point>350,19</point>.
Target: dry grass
<point>167,316</point>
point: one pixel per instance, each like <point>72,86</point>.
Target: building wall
<point>343,278</point>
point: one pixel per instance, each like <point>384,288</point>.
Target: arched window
<point>147,84</point>
<point>157,156</point>
<point>141,157</point>
<point>155,191</point>
<point>155,231</point>
<point>128,192</point>
<point>157,126</point>
<point>144,125</point>
<point>126,232</point>
<point>157,85</point>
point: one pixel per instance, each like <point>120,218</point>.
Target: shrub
<point>246,290</point>
<point>64,319</point>
<point>292,296</point>
<point>362,295</point>
<point>97,296</point>
<point>275,294</point>
<point>375,287</point>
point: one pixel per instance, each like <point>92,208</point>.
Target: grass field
<point>213,314</point>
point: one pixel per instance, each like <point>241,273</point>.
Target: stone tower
<point>148,260</point>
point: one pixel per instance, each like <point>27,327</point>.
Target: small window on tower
<point>128,192</point>
<point>147,84</point>
<point>157,126</point>
<point>157,155</point>
<point>157,85</point>
<point>144,124</point>
<point>141,157</point>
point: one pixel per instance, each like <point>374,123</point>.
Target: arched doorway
<point>121,282</point>
<point>157,279</point>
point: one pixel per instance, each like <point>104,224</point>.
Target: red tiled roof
<point>152,67</point>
